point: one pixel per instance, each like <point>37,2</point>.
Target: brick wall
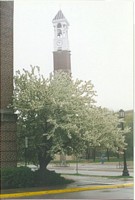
<point>8,152</point>
<point>61,60</point>
<point>6,52</point>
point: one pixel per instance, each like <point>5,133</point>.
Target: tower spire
<point>59,6</point>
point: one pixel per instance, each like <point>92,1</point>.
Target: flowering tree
<point>48,110</point>
<point>104,131</point>
<point>58,115</point>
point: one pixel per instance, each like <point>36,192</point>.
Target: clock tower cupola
<point>61,53</point>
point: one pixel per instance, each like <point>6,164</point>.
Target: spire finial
<point>59,6</point>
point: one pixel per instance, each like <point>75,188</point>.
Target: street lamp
<point>26,147</point>
<point>76,164</point>
<point>125,170</point>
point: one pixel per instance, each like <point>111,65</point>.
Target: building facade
<point>8,152</point>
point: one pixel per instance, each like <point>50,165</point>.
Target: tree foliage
<point>58,115</point>
<point>103,130</point>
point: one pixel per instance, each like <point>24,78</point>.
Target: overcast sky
<point>100,39</point>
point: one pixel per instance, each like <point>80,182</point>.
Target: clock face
<point>59,43</point>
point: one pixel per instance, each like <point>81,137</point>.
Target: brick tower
<point>8,118</point>
<point>61,54</point>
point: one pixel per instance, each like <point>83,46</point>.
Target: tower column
<point>61,61</point>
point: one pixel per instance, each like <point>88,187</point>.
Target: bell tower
<point>61,53</point>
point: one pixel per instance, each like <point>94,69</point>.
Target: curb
<point>67,190</point>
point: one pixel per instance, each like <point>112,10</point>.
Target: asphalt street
<point>105,194</point>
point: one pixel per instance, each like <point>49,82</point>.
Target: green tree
<point>59,115</point>
<point>103,132</point>
<point>48,111</point>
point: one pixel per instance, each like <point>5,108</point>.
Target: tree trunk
<point>94,154</point>
<point>108,156</point>
<point>43,161</point>
<point>88,153</point>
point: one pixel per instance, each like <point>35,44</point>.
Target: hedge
<point>22,177</point>
<point>17,177</point>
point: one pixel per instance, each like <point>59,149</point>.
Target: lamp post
<point>76,164</point>
<point>26,146</point>
<point>125,170</point>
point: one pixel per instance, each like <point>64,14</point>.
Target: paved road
<point>106,194</point>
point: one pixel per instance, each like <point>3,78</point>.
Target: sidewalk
<point>106,169</point>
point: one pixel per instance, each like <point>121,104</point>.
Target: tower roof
<point>59,16</point>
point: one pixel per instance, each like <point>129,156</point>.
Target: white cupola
<point>60,24</point>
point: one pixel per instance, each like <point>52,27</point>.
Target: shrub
<point>49,178</point>
<point>17,177</point>
<point>21,177</point>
